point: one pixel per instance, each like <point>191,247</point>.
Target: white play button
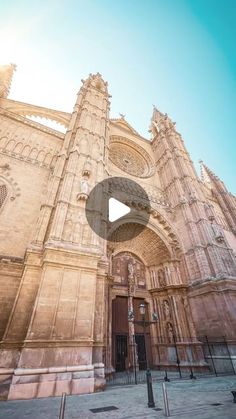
<point>117,209</point>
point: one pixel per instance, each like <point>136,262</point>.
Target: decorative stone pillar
<point>133,358</point>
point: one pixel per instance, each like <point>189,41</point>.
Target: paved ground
<point>187,399</point>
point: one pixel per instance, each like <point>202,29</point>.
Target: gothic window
<point>3,194</point>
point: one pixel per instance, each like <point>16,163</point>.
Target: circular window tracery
<point>130,157</point>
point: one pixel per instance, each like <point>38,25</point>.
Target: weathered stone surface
<point>65,295</point>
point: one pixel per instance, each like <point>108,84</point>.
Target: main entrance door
<point>141,351</point>
<point>121,352</point>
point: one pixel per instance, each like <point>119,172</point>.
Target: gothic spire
<point>206,174</point>
<point>96,81</point>
<point>160,122</point>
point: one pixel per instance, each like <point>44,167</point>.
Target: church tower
<point>208,255</point>
<point>62,286</point>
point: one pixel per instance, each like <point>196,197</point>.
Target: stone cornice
<point>205,286</point>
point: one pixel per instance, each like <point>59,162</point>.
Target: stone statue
<point>166,308</point>
<point>84,188</point>
<point>130,269</point>
<point>161,278</point>
<point>167,272</point>
<point>130,315</point>
<point>170,332</point>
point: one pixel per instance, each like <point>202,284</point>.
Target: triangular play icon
<point>117,209</point>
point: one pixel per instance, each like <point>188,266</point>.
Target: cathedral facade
<point>65,293</point>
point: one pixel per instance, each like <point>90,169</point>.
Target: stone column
<point>133,358</point>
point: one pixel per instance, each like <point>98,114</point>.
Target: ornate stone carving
<point>166,309</point>
<point>217,233</point>
<point>6,73</point>
<point>131,269</point>
<point>170,332</point>
<point>209,212</point>
<point>84,189</point>
<point>161,278</point>
<point>87,168</point>
<point>130,158</point>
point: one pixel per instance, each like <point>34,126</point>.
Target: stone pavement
<point>187,399</point>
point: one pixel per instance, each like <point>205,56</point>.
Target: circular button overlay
<point>117,209</point>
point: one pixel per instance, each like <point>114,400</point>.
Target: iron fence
<point>179,358</point>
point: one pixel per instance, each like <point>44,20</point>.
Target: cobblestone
<point>187,398</point>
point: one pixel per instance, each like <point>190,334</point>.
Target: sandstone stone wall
<point>26,157</point>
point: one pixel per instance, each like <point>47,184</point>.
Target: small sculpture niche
<point>217,233</point>
<point>209,212</point>
<point>84,189</point>
<point>87,168</point>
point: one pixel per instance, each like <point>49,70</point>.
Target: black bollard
<point>151,402</point>
<point>166,377</point>
<point>63,405</point>
<point>234,396</point>
<point>192,377</point>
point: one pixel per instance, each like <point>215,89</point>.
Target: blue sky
<point>177,54</point>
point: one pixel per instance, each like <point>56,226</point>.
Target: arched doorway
<point>131,281</point>
<point>148,268</point>
<point>129,273</point>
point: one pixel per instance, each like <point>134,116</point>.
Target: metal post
<point>62,407</point>
<point>166,377</point>
<point>191,376</point>
<point>151,402</point>
<point>177,357</point>
<point>226,344</point>
<point>212,360</point>
<point>134,354</point>
<point>165,398</point>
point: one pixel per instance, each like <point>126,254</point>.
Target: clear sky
<point>177,54</point>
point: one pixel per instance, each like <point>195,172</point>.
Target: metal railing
<point>178,358</point>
